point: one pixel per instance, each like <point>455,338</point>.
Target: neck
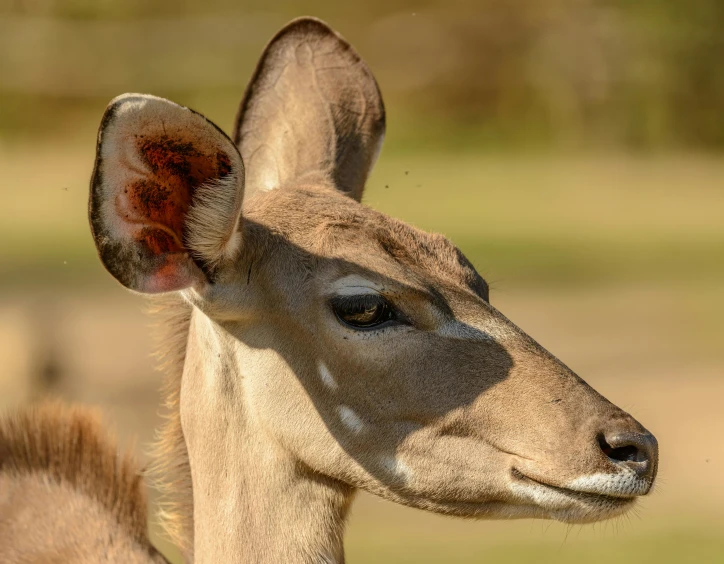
<point>253,501</point>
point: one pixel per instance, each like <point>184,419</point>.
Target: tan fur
<point>66,487</point>
<point>309,74</point>
<point>282,403</point>
<point>170,470</point>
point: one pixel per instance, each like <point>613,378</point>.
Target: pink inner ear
<point>156,205</point>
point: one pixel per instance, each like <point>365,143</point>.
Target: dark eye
<point>363,312</point>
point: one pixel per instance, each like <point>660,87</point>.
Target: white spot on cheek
<point>396,467</point>
<point>326,376</point>
<point>350,419</point>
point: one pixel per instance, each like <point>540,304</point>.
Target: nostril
<point>634,450</point>
<point>628,453</point>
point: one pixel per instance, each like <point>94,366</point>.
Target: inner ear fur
<point>166,193</point>
<point>312,112</point>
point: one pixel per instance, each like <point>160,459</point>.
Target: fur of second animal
<point>67,492</point>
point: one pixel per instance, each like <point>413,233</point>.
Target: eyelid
<point>357,298</point>
<point>351,284</point>
<point>354,291</point>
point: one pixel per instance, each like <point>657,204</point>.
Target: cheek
<point>452,468</point>
<point>269,390</point>
<point>337,428</point>
<point>399,382</point>
<point>285,401</point>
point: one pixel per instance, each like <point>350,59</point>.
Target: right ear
<point>312,111</point>
<point>166,193</point>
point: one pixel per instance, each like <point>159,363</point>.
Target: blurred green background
<point>571,148</point>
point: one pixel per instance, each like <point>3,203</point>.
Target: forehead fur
<point>324,222</point>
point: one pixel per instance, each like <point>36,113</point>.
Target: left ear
<point>166,193</point>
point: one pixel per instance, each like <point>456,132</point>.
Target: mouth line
<point>576,494</point>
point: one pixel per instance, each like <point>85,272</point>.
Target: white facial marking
<point>350,419</point>
<point>396,467</point>
<point>354,285</point>
<point>541,496</point>
<point>626,483</point>
<point>559,505</point>
<point>326,376</point>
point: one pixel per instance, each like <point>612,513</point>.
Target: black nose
<point>638,451</point>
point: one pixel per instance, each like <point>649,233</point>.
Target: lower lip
<point>587,496</point>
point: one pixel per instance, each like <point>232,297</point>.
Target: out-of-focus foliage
<point>509,73</point>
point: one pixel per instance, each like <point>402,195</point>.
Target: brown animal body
<point>66,494</point>
<point>317,347</point>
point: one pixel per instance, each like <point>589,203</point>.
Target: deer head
<point>331,347</point>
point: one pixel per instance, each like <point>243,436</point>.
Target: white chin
<point>571,506</point>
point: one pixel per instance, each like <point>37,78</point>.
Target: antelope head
<point>330,347</point>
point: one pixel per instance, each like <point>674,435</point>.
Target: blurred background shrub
<point>508,73</point>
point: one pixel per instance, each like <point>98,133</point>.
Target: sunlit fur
<point>66,493</point>
<point>277,411</point>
